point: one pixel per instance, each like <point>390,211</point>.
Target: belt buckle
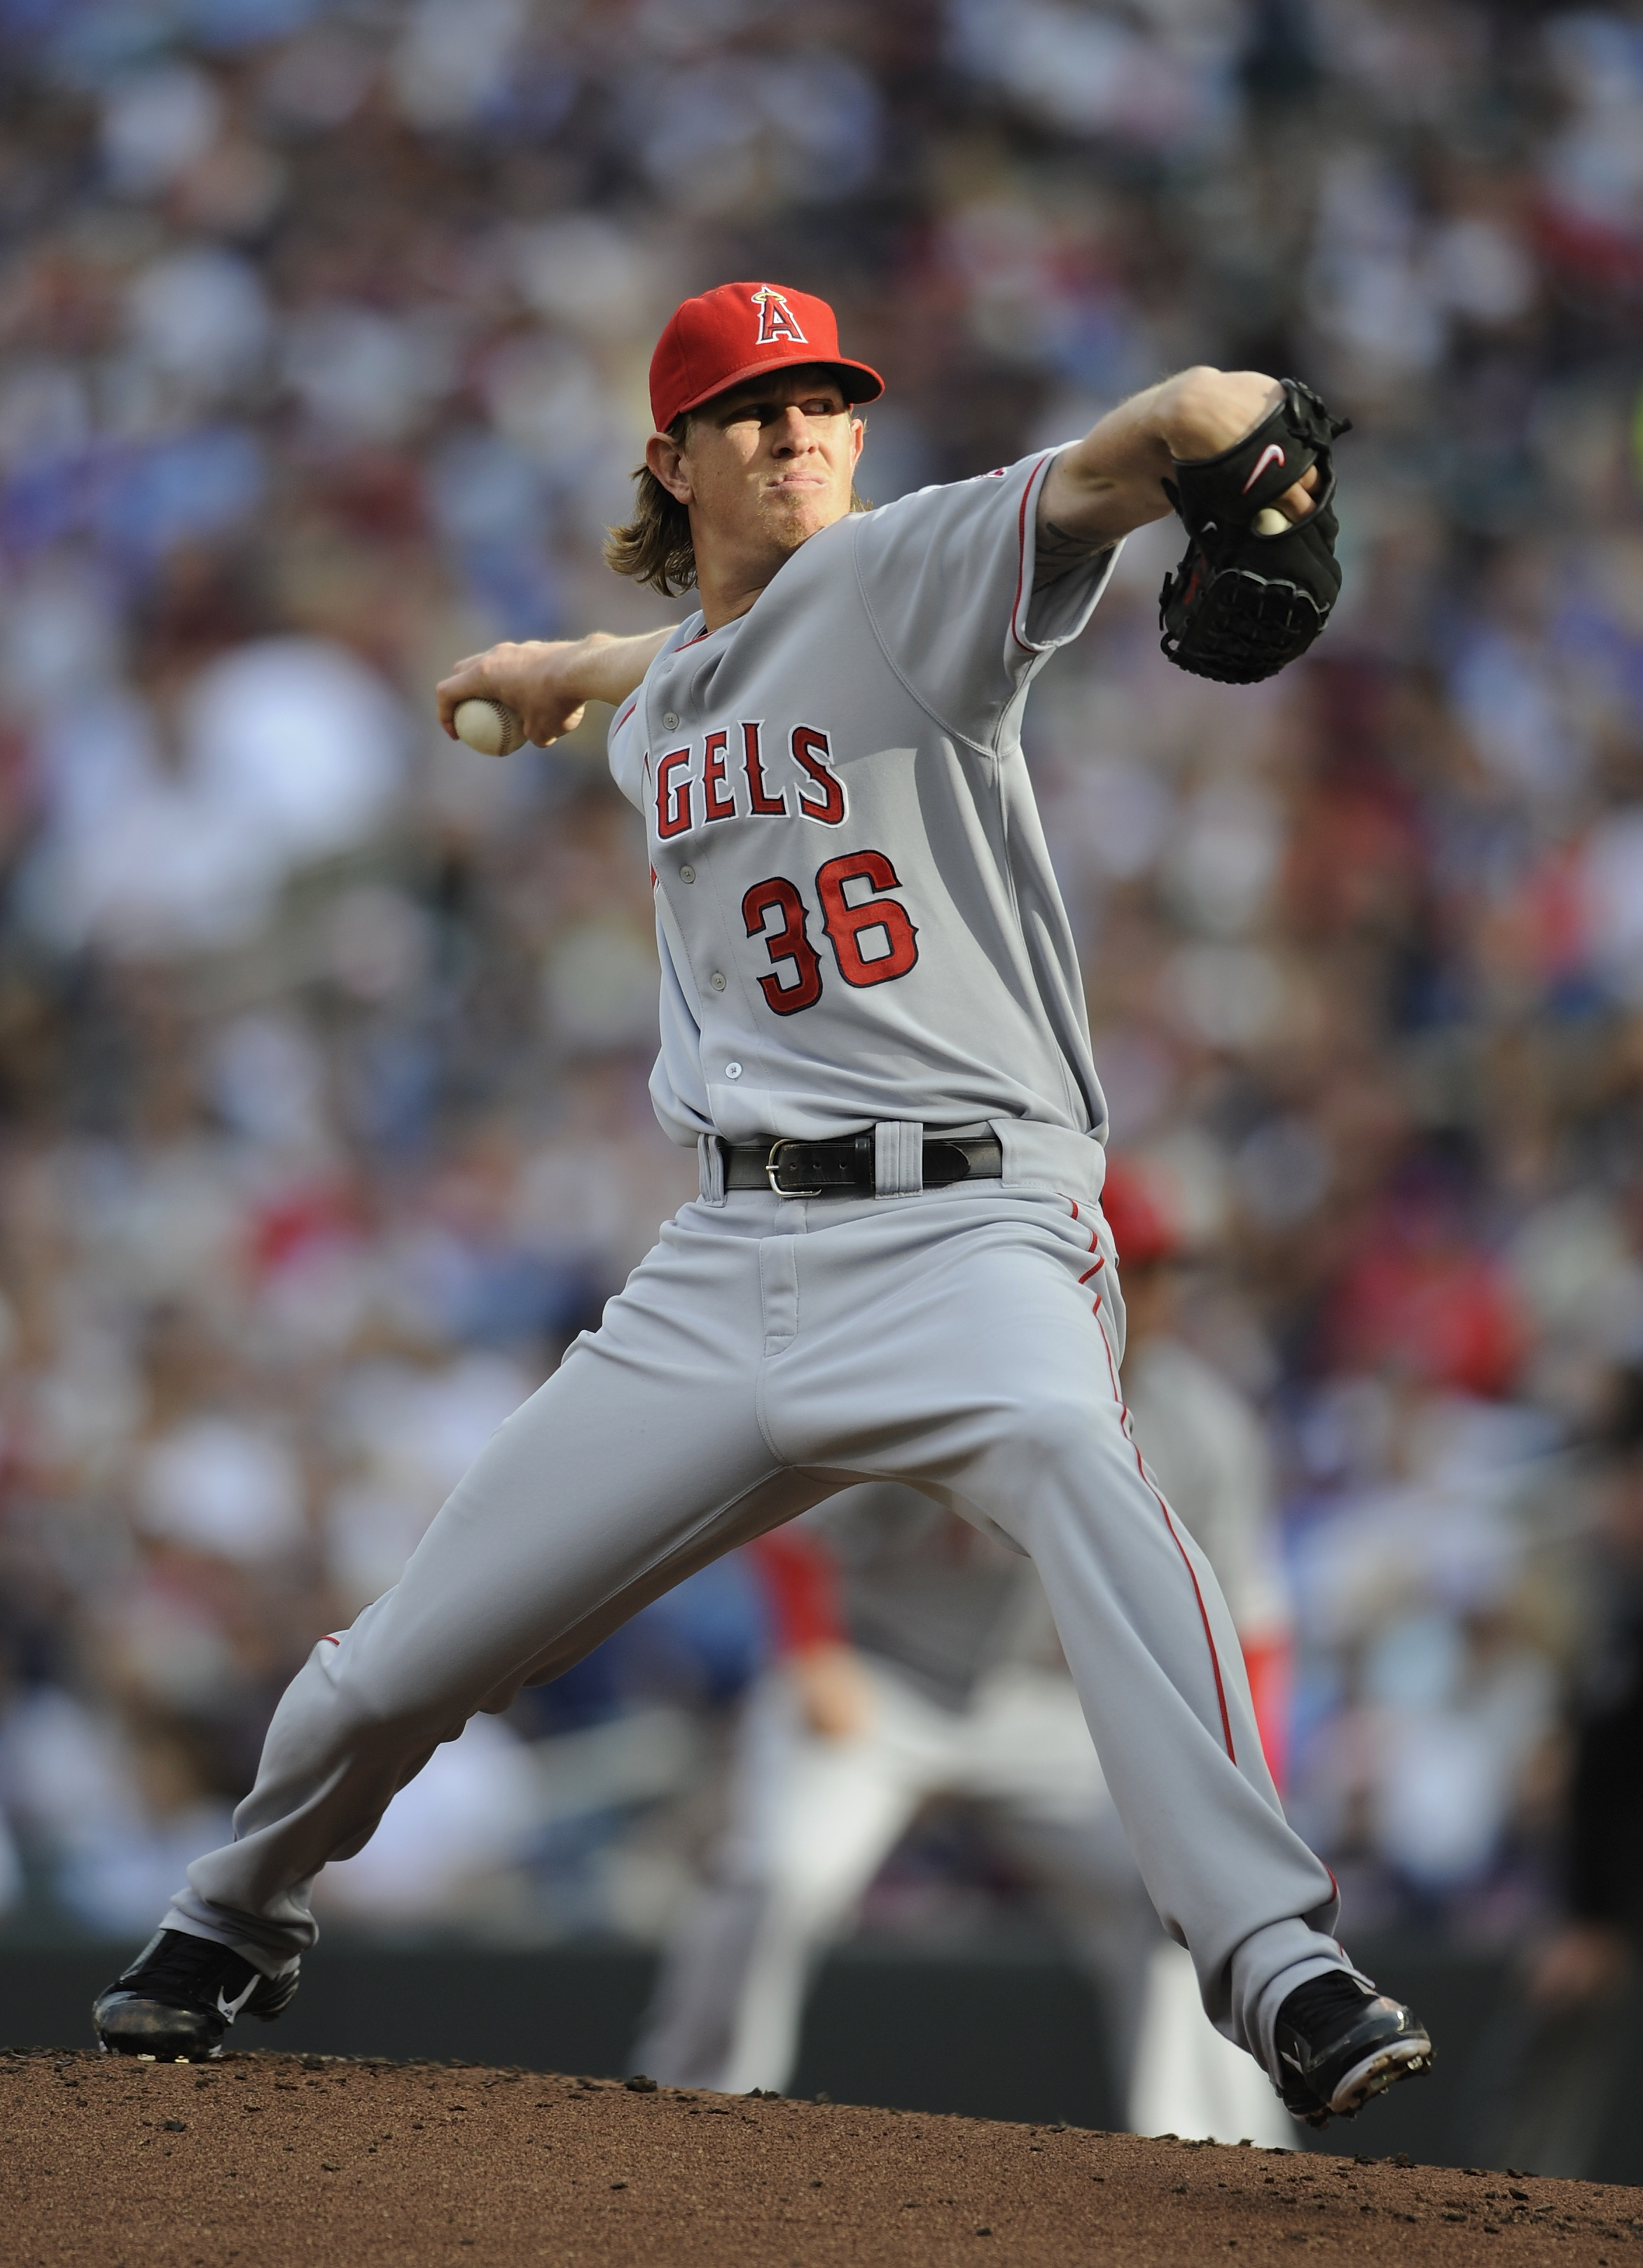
<point>772,1168</point>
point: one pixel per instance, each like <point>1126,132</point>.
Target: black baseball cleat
<point>179,1996</point>
<point>1339,2042</point>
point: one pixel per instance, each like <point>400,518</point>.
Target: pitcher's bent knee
<point>376,1680</point>
<point>335,1708</point>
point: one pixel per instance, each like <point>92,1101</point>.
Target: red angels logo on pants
<point>777,320</point>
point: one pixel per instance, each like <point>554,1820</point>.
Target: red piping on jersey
<point>1021,568</point>
<point>1175,1537</point>
<point>623,715</point>
<point>328,1640</point>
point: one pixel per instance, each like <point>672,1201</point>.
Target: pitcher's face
<point>765,465</point>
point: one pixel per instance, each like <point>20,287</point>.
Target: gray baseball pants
<point>768,1352</point>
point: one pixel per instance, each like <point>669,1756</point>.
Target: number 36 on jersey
<point>872,934</point>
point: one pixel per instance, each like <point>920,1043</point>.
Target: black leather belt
<point>846,1167</point>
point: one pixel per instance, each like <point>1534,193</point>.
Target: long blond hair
<point>654,547</point>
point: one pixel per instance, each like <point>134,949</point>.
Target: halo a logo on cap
<point>777,320</point>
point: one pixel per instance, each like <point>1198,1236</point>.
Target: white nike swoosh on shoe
<point>231,2008</point>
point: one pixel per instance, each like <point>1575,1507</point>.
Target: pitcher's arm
<point>1112,482</point>
<point>549,682</point>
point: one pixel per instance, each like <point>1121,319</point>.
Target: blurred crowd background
<point>323,1042</point>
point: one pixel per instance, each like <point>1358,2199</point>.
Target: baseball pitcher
<point>873,1031</point>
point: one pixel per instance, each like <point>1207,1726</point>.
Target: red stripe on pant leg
<point>1094,1239</point>
<point>1209,1635</point>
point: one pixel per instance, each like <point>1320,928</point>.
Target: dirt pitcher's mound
<point>264,2159</point>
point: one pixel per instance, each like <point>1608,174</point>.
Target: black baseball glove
<point>1241,605</point>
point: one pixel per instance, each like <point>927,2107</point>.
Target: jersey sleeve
<point>624,742</point>
<point>625,749</point>
<point>947,578</point>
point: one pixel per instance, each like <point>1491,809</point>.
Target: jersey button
<point>670,720</point>
<point>732,1071</point>
<point>687,873</point>
<point>718,980</point>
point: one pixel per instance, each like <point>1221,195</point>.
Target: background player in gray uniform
<point>874,1029</point>
<point>917,1658</point>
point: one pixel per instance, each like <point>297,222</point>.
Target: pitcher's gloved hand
<point>1244,602</point>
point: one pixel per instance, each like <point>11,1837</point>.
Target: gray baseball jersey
<point>854,901</point>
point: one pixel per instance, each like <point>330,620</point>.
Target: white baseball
<point>489,726</point>
<point>1268,521</point>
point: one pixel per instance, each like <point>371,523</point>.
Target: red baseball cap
<point>716,340</point>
